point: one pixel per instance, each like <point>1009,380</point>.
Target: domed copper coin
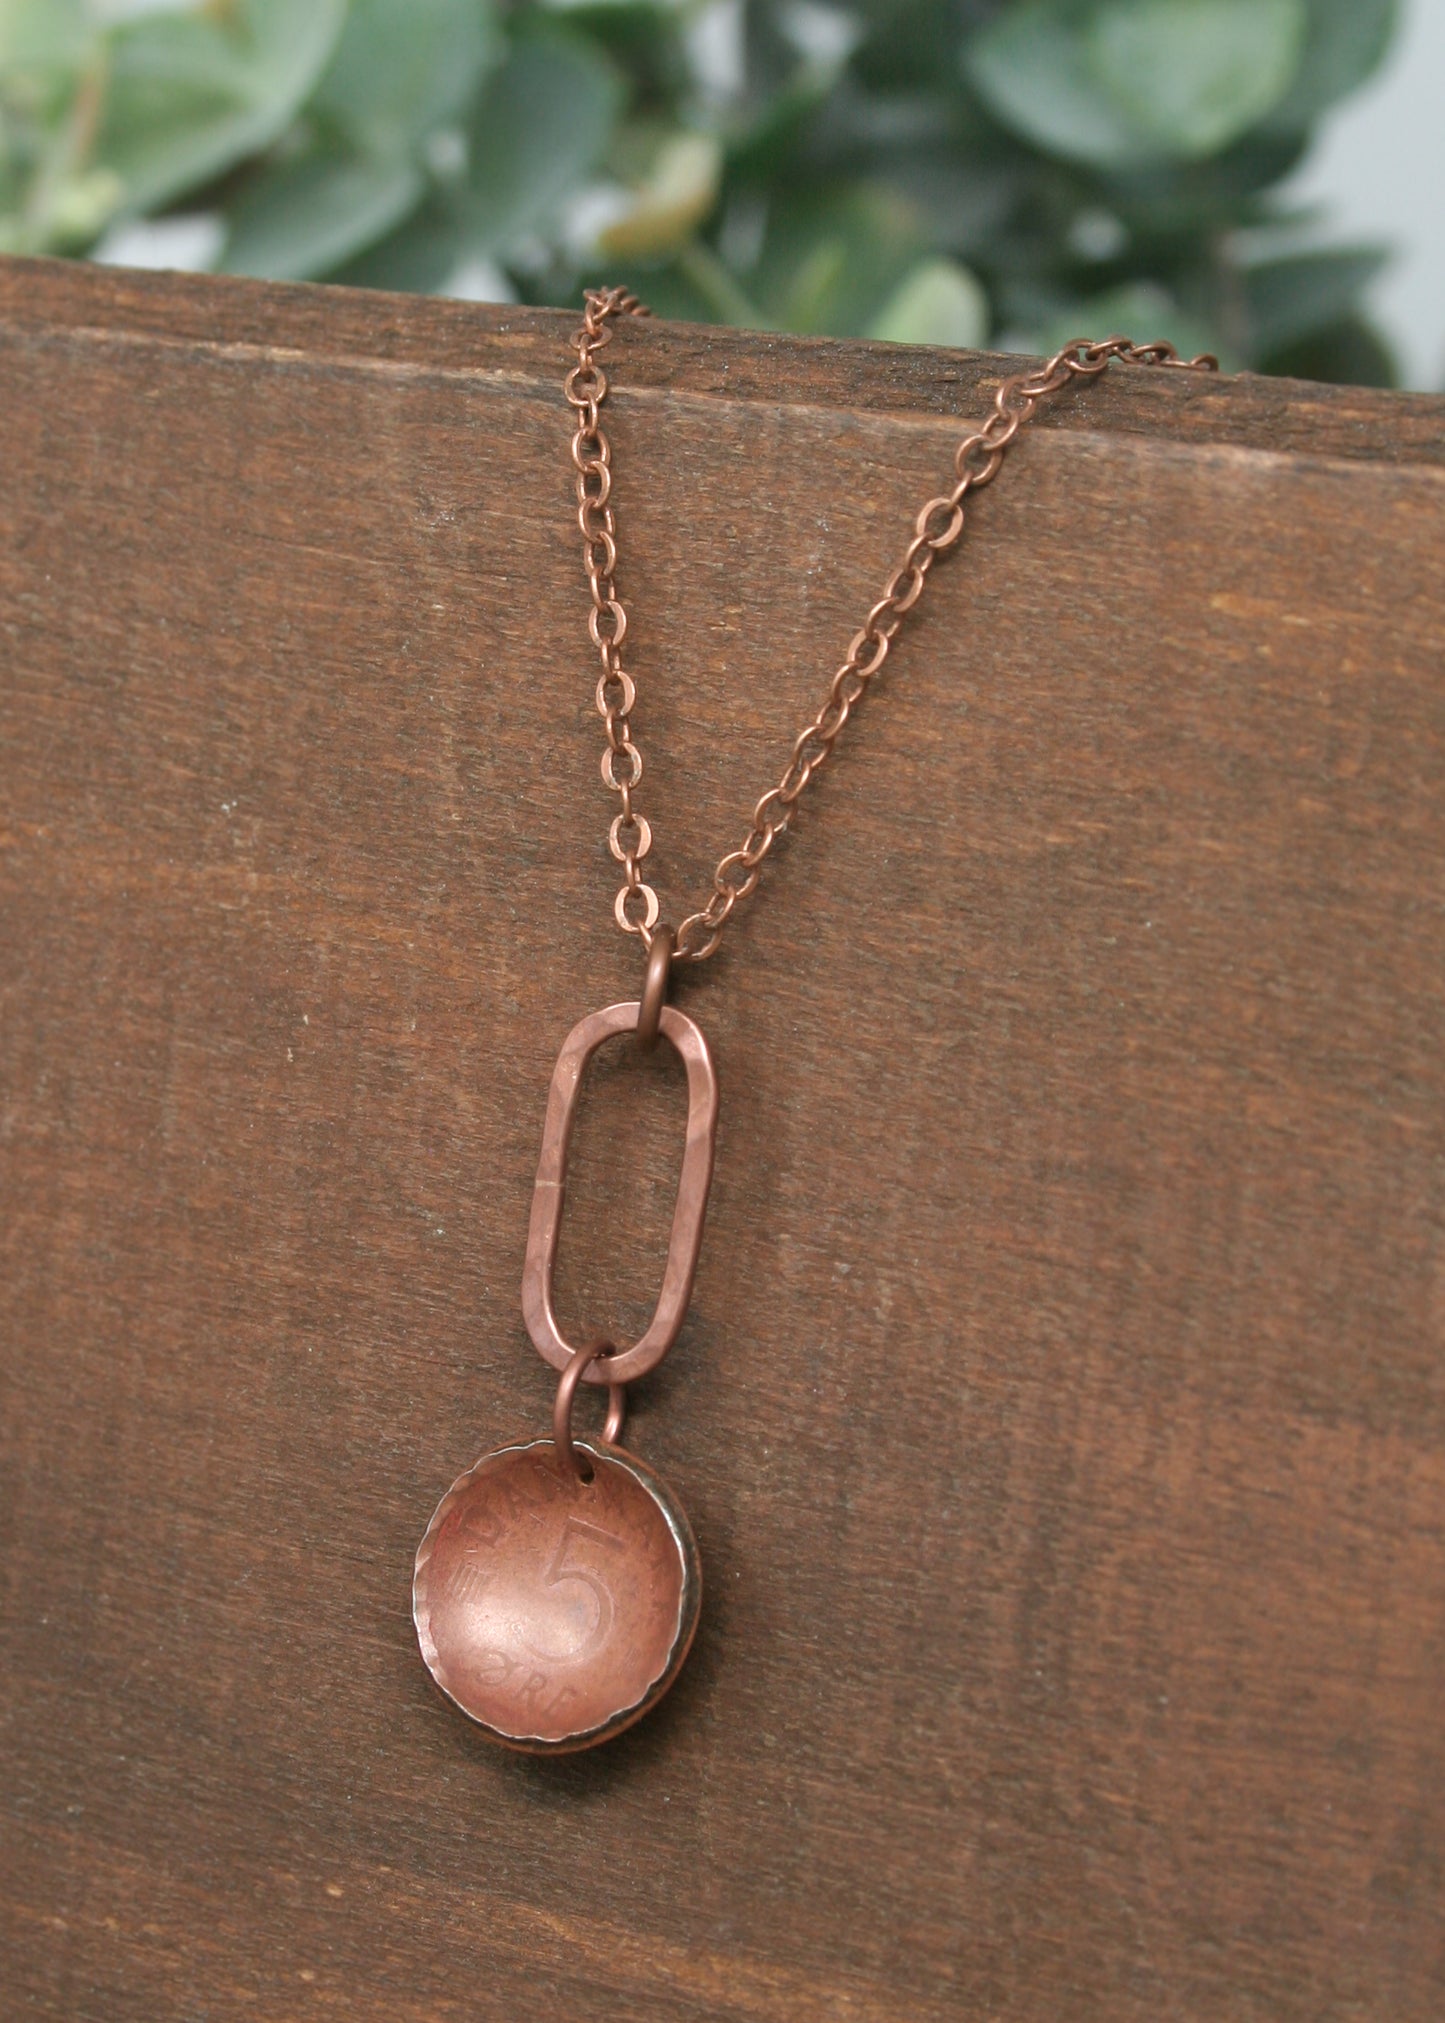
<point>556,1611</point>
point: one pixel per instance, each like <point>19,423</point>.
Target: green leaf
<point>831,255</point>
<point>1179,200</point>
<point>1290,299</point>
<point>538,130</point>
<point>1193,75</point>
<point>52,81</point>
<point>646,38</point>
<point>191,95</point>
<point>940,302</point>
<point>1351,353</point>
<point>1344,41</point>
<point>1125,82</point>
<point>907,43</point>
<point>1029,68</point>
<point>763,142</point>
<point>43,35</point>
<point>965,205</point>
<point>396,75</point>
<point>300,219</point>
<point>416,259</point>
<point>402,70</point>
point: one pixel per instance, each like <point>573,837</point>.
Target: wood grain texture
<point>1062,1407</point>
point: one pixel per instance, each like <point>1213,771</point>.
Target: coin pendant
<point>553,1611</point>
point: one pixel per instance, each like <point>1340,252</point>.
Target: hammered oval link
<point>937,527</point>
<point>545,1225</point>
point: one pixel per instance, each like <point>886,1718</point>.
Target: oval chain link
<point>936,529</point>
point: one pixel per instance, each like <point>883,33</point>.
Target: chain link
<point>936,529</point>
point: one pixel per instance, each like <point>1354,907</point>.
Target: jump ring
<point>562,1409</point>
<point>654,988</point>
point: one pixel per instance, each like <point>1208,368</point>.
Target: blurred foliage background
<point>947,171</point>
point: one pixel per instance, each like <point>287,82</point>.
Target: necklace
<point>557,1589</point>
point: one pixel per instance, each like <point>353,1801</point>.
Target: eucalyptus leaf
<point>1031,68</point>
<point>903,40</point>
<point>917,168</point>
<point>1344,42</point>
<point>307,216</point>
<point>765,141</point>
<point>1290,299</point>
<point>967,206</point>
<point>537,131</point>
<point>1351,351</point>
<point>52,65</point>
<point>940,302</point>
<point>399,72</point>
<point>419,257</point>
<point>830,256</point>
<point>1193,75</point>
<point>1178,200</point>
<point>44,35</point>
<point>1123,82</point>
<point>191,95</point>
<point>646,37</point>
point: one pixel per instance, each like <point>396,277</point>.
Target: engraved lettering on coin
<point>554,1612</point>
<point>466,1580</point>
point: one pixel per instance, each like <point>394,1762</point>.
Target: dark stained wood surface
<point>1062,1408</point>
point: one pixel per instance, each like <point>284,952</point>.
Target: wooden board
<point>1062,1407</point>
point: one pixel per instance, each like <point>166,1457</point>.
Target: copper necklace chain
<point>936,529</point>
<point>557,1588</point>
